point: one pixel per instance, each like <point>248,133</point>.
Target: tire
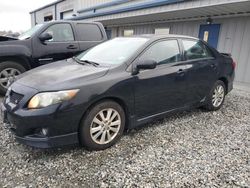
<point>8,71</point>
<point>211,104</point>
<point>96,122</point>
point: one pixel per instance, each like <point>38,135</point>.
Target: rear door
<point>61,46</point>
<point>201,69</point>
<point>88,35</point>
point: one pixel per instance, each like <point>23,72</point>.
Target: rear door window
<point>89,32</point>
<point>195,50</point>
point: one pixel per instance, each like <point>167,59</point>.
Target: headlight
<point>42,100</point>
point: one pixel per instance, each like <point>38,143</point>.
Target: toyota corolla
<point>120,84</point>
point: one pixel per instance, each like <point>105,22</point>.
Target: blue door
<point>210,33</point>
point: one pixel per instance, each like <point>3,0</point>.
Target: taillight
<point>234,64</point>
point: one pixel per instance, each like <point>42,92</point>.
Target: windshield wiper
<point>77,60</point>
<point>90,62</point>
<point>85,61</point>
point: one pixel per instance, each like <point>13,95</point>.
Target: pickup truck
<point>46,43</point>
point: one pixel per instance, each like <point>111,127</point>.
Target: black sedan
<point>120,84</point>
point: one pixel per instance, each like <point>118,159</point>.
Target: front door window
<point>60,32</point>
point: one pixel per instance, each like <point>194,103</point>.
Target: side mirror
<point>45,36</point>
<point>143,65</point>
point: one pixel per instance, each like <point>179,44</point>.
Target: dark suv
<point>45,43</point>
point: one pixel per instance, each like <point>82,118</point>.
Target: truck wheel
<point>9,70</point>
<point>102,125</point>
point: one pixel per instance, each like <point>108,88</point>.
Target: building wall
<point>32,19</point>
<point>66,6</point>
<point>44,12</point>
<point>38,16</point>
<point>63,6</point>
<point>234,38</point>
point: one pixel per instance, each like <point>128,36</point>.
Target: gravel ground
<point>189,149</point>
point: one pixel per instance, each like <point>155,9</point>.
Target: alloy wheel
<point>218,96</point>
<point>105,126</point>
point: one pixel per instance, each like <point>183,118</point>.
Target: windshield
<point>115,51</point>
<point>30,32</point>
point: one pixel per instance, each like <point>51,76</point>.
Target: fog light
<point>44,132</point>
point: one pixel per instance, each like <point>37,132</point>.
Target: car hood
<point>60,75</point>
<point>5,38</point>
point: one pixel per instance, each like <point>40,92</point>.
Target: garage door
<point>66,14</point>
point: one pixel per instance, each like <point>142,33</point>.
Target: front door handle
<point>213,66</point>
<point>71,47</point>
<point>181,72</point>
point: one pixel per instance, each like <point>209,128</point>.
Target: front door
<point>163,88</point>
<point>210,34</point>
<point>63,44</point>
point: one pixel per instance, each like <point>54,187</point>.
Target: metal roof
<point>103,5</point>
<point>187,10</point>
<point>126,8</point>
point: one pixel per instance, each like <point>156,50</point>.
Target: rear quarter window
<point>89,32</point>
<point>195,50</point>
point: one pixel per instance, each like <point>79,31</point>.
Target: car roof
<point>162,36</point>
<point>70,21</point>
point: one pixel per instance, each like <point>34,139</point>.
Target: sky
<point>14,14</point>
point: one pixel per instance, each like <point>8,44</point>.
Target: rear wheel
<point>102,126</point>
<point>216,96</point>
<point>9,70</point>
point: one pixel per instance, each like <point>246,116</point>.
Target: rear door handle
<point>71,47</point>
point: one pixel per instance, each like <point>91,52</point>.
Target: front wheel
<point>9,70</point>
<point>102,125</point>
<point>216,96</point>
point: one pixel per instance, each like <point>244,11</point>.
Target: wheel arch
<point>24,61</point>
<point>225,81</point>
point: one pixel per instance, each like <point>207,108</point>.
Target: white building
<point>225,24</point>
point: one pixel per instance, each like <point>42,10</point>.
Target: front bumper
<point>26,130</point>
<point>49,142</point>
<point>61,121</point>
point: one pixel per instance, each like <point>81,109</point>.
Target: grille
<point>15,97</point>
